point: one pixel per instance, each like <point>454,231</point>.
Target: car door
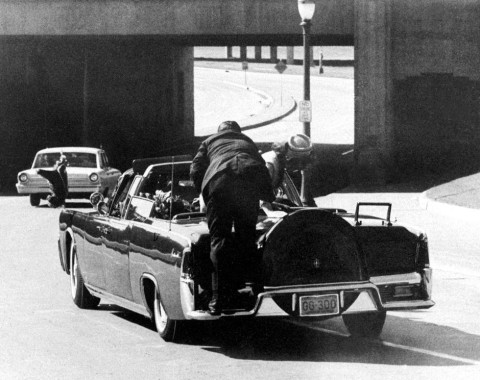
<point>116,242</point>
<point>91,258</point>
<point>154,250</point>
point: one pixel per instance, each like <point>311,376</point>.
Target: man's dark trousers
<point>232,201</point>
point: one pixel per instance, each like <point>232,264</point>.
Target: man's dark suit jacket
<point>234,153</point>
<point>58,180</point>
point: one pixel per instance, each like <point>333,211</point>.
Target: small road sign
<point>244,65</point>
<point>305,111</point>
<point>281,66</point>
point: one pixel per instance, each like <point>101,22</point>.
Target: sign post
<point>245,68</point>
<point>305,111</point>
<point>281,67</point>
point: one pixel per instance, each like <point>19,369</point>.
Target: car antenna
<point>171,194</point>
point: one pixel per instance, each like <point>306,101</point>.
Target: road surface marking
<point>427,352</point>
<point>389,344</point>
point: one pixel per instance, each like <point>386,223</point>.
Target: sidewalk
<point>460,197</point>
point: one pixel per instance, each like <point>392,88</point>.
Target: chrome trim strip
<point>320,287</point>
<point>407,305</point>
<point>397,279</point>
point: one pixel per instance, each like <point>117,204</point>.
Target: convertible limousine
<point>147,250</point>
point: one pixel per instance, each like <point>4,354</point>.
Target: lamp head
<point>306,8</point>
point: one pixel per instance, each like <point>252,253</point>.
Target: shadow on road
<point>276,340</point>
<point>129,316</point>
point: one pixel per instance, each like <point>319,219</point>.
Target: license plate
<point>326,304</point>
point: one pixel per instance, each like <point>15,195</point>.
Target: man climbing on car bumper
<point>58,181</point>
<point>232,177</point>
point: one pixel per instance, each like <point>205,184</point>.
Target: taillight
<point>93,177</point>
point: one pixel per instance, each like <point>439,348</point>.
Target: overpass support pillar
<point>243,53</point>
<point>373,150</point>
<point>273,54</point>
<point>258,53</point>
<point>290,55</point>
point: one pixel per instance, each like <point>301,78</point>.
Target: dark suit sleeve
<point>49,175</point>
<point>264,183</point>
<point>53,177</point>
<point>199,167</point>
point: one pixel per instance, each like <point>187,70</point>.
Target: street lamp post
<point>306,8</point>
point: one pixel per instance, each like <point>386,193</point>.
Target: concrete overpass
<point>120,72</point>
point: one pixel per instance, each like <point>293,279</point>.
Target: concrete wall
<point>435,64</point>
<point>120,73</point>
<point>416,70</point>
<point>133,96</point>
<point>417,91</point>
<point>373,90</point>
<point>170,17</point>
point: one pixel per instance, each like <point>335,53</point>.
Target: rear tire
<point>167,328</point>
<point>367,325</point>
<point>35,200</point>
<point>80,294</point>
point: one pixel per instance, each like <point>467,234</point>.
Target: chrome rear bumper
<point>368,300</point>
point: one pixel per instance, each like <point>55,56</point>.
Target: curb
<point>437,207</point>
<point>291,107</point>
<point>271,115</point>
<point>266,119</point>
<point>262,120</point>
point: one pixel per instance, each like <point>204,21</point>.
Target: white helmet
<point>299,145</point>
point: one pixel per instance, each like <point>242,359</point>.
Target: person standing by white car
<point>58,180</point>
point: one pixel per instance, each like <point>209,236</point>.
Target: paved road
<point>217,99</point>
<point>45,336</point>
<point>332,104</point>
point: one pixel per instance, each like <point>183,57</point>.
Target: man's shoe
<point>214,307</point>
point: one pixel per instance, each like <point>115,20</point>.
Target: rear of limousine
<point>316,265</point>
<point>398,264</point>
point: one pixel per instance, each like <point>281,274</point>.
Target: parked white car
<point>88,171</point>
